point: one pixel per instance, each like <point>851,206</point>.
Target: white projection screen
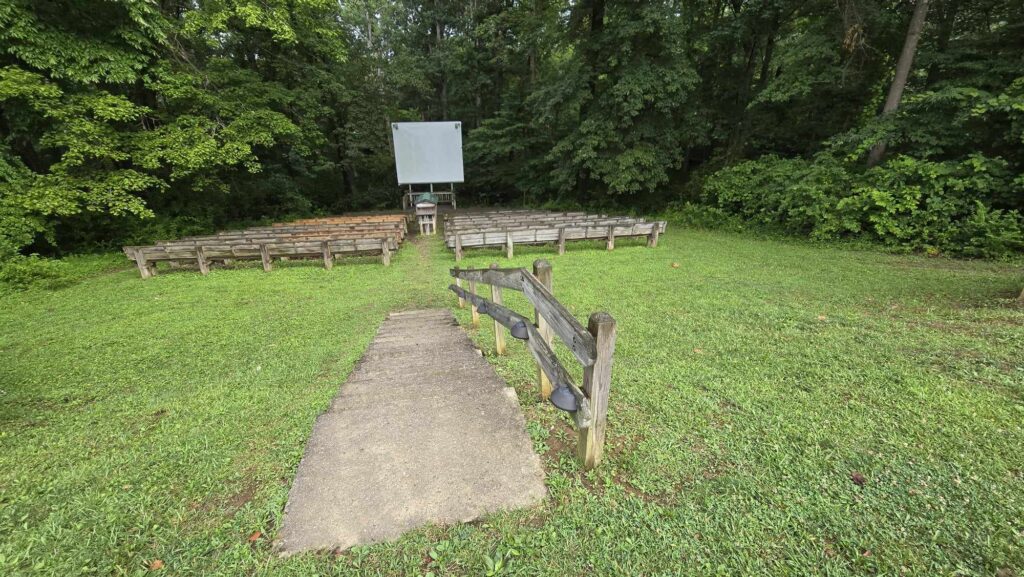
<point>428,152</point>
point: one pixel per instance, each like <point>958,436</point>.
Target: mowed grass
<point>776,408</point>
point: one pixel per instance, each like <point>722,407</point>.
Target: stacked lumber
<point>321,238</point>
<point>510,227</point>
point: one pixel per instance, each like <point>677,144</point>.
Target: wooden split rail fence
<point>593,346</point>
<point>325,238</point>
<point>509,228</point>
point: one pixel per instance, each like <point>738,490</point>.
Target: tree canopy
<point>125,120</point>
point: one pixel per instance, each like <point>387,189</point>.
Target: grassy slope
<point>164,419</point>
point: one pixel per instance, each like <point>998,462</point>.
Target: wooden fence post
<point>596,384</point>
<point>561,240</point>
<point>458,247</point>
<point>458,283</point>
<point>542,270</point>
<point>475,313</point>
<point>499,331</point>
<point>385,252</point>
<point>611,237</point>
<point>652,240</point>
<point>508,244</point>
<point>265,257</point>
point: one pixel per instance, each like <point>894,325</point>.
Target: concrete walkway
<point>424,431</point>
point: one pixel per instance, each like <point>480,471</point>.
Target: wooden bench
<point>542,228</point>
<point>379,234</point>
<point>203,252</point>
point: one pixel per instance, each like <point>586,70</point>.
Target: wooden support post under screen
<point>542,270</point>
<point>508,244</point>
<point>499,331</point>
<point>204,267</point>
<point>385,252</point>
<point>458,247</point>
<point>596,384</point>
<point>473,309</point>
<point>265,257</point>
<point>611,237</point>
<point>652,240</point>
<point>561,241</point>
<point>325,248</point>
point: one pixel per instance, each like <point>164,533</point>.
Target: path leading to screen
<point>424,431</point>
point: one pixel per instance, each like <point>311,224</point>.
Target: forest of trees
<point>899,121</point>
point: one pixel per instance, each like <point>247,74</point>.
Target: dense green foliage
<point>910,204</point>
<point>125,120</point>
<point>164,419</point>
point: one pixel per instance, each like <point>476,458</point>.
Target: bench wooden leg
<point>325,248</point>
<point>652,240</point>
<point>140,261</point>
<point>204,266</point>
<point>265,257</point>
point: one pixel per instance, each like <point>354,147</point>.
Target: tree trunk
<point>737,136</point>
<point>596,13</point>
<point>899,82</point>
<point>947,13</point>
<point>442,91</point>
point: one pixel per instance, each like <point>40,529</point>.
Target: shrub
<point>990,233</point>
<point>703,216</point>
<point>907,203</point>
<point>798,195</point>
<point>25,272</point>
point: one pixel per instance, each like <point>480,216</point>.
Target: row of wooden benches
<point>325,238</point>
<point>509,228</point>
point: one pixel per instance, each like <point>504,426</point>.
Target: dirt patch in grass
<point>556,445</point>
<point>241,498</point>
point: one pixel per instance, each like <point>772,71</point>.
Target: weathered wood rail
<point>341,236</point>
<point>346,219</point>
<point>592,346</point>
<point>510,229</point>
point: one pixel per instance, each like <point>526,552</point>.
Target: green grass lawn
<point>776,407</point>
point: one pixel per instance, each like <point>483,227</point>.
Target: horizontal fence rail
<point>592,346</point>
